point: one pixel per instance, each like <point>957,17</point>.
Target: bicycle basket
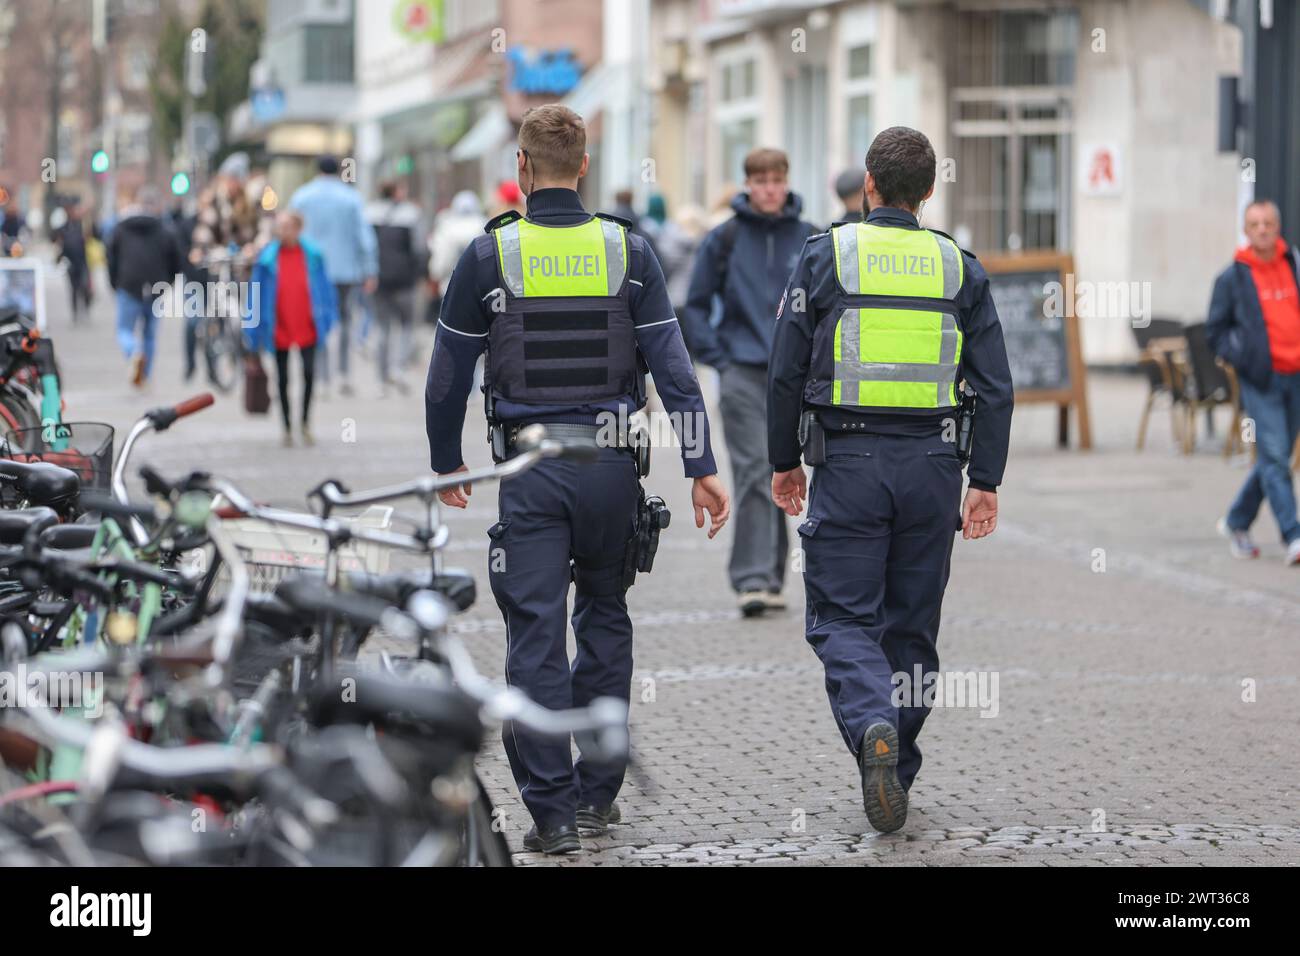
<point>82,447</point>
<point>272,552</point>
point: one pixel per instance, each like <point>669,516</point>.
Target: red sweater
<point>1280,302</point>
<point>294,324</point>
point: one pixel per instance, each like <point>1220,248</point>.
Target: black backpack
<point>399,268</point>
<point>726,245</point>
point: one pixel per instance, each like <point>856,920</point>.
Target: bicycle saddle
<point>40,482</point>
<point>69,537</point>
<point>14,523</point>
<point>455,585</point>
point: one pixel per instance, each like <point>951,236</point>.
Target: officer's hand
<point>979,515</point>
<point>789,490</point>
<point>370,286</point>
<point>456,496</point>
<point>707,494</point>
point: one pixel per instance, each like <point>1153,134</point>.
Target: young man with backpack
<point>745,262</point>
<point>402,263</point>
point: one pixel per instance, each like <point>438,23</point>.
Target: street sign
<point>267,104</point>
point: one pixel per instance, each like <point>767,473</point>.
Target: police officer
<point>880,323</point>
<point>566,305</point>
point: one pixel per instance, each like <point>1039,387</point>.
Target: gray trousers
<point>393,308</point>
<point>760,540</point>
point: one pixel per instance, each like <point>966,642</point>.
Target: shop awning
<point>590,95</point>
<point>490,131</point>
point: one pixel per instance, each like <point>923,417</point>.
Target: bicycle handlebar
<point>334,494</point>
<point>164,418</point>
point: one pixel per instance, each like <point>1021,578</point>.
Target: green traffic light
<point>180,184</point>
<point>99,162</point>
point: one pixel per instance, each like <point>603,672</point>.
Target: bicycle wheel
<point>19,421</point>
<point>222,349</point>
<point>482,842</point>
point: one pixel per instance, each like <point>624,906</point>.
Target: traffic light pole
<point>108,119</point>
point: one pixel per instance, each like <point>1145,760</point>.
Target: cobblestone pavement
<point>1148,703</point>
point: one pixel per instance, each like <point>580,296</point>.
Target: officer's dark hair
<point>555,139</point>
<point>901,161</point>
<point>329,165</point>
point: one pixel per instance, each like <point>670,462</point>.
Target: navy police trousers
<point>877,545</point>
<point>562,522</point>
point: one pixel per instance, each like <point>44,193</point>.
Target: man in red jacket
<point>1254,323</point>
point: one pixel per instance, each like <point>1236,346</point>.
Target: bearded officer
<point>567,305</point>
<point>880,323</point>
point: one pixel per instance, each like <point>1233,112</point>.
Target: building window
<point>857,36</point>
<point>133,131</point>
<point>67,140</point>
<point>737,81</point>
<point>1013,110</point>
<point>465,16</point>
<point>738,139</point>
<point>327,53</point>
<point>859,62</point>
<point>136,66</point>
<point>69,79</point>
<point>736,113</point>
<point>860,130</point>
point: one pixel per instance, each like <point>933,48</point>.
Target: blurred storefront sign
<point>420,20</point>
<point>543,72</point>
<point>1102,170</point>
<point>267,104</point>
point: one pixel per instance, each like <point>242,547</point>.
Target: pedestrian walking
<point>1254,324</point>
<point>143,259</point>
<point>335,223</point>
<point>298,308</point>
<point>402,254</point>
<point>744,262</point>
<point>456,227</point>
<point>879,324</point>
<point>564,301</point>
<point>70,241</point>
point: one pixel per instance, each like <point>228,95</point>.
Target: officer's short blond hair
<point>555,139</point>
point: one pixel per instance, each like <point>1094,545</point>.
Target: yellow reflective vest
<point>892,342</point>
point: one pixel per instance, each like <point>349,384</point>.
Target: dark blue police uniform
<point>884,508</point>
<point>560,521</point>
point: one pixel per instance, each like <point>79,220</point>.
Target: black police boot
<point>883,796</point>
<point>594,819</point>
<point>553,839</point>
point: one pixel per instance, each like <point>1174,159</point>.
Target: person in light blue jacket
<point>335,222</point>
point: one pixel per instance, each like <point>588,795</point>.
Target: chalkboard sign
<point>1036,346</point>
<point>1041,331</point>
